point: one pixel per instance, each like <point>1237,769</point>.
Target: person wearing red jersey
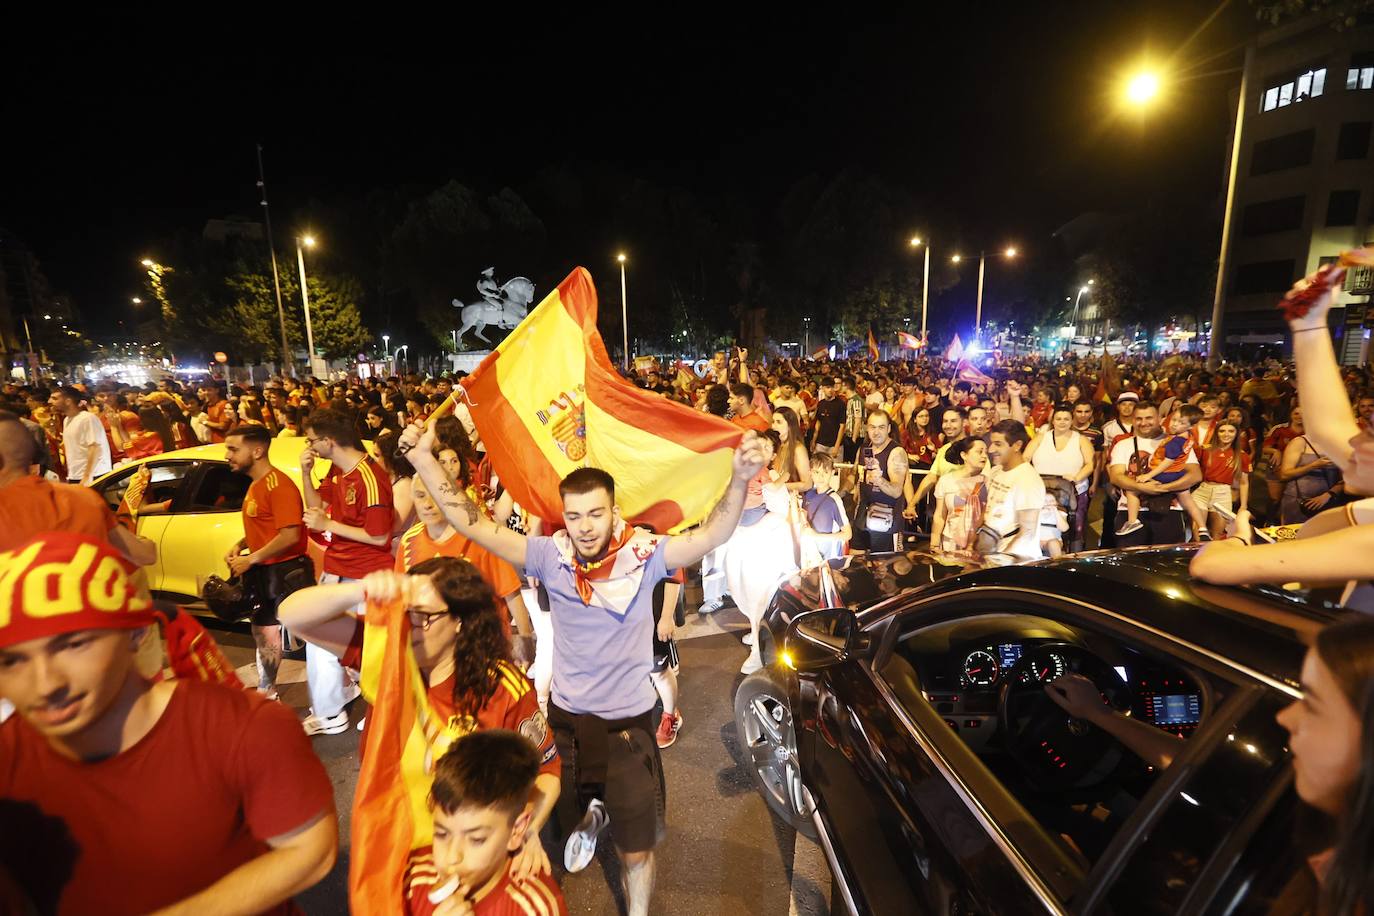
<point>275,564</point>
<point>126,796</point>
<point>435,537</point>
<point>218,417</point>
<point>482,814</point>
<point>1225,465</point>
<point>463,657</point>
<point>352,505</point>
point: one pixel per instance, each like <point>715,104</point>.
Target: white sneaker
<point>751,664</point>
<point>352,692</point>
<point>711,606</point>
<point>581,845</point>
<point>333,725</point>
<point>362,722</point>
<point>1130,528</point>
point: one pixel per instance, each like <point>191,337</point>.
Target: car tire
<point>768,742</point>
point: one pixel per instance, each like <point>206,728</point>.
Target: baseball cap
<point>1127,396</point>
<point>60,583</point>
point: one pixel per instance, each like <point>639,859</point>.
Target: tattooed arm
<point>686,549</point>
<point>894,483</point>
<point>458,510</point>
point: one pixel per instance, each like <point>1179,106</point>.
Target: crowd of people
<point>515,667</point>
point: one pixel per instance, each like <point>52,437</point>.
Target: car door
<point>166,479</point>
<point>202,527</point>
<point>904,827</point>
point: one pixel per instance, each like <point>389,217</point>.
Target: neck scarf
<point>613,581</point>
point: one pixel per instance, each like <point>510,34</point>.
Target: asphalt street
<point>724,853</point>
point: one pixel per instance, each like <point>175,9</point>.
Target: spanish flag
<point>1109,381</point>
<point>390,808</point>
<point>909,341</point>
<point>872,346</point>
<point>549,400</point>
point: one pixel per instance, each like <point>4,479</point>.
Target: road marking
<point>810,880</point>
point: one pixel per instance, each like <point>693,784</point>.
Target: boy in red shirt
<point>481,806</point>
<point>352,506</point>
<point>126,796</point>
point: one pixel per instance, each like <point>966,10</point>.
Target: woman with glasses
<point>463,655</point>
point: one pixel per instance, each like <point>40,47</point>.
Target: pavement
<point>724,852</point>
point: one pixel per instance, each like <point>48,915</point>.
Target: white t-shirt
<point>1113,428</point>
<point>78,433</point>
<point>1010,492</point>
<point>1122,453</point>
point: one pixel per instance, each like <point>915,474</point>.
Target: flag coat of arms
<point>549,401</point>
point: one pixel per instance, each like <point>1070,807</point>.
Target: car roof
<point>284,453</point>
<point>1264,629</point>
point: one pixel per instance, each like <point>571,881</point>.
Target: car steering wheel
<point>1054,750</point>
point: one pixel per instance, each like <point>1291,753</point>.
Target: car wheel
<point>763,721</point>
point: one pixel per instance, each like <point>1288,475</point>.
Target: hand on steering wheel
<point>1077,696</point>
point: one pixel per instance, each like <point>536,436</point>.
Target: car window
<point>164,483</point>
<point>985,675</point>
<point>219,490</point>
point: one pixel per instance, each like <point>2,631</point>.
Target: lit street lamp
<point>1009,252</point>
<point>309,242</point>
<point>925,281</point>
<point>624,313</point>
<point>405,347</point>
<point>386,348</point>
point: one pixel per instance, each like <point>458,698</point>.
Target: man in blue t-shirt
<point>600,574</point>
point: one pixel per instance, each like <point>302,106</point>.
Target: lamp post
<point>386,348</point>
<point>624,312</point>
<point>925,282</point>
<point>307,241</point>
<point>806,332</point>
<point>1142,90</point>
<point>405,347</point>
<point>1009,252</point>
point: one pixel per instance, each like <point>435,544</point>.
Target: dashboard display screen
<point>1175,709</point>
<point>1008,653</point>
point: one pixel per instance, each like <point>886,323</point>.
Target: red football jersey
<point>362,499</point>
<point>538,896</point>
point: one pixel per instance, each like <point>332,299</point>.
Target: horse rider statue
<point>504,306</point>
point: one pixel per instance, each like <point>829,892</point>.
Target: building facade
<point>1305,178</point>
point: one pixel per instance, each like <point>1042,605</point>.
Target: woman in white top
<point>1060,451</point>
<point>959,497</point>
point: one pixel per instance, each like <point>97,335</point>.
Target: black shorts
<point>628,777</point>
<point>270,583</point>
<point>665,651</point>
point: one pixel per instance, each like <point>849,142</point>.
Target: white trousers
<point>325,675</point>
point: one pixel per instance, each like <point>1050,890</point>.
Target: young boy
<point>1167,466</point>
<point>481,805</point>
<point>824,510</point>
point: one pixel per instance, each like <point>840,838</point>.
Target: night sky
<point>999,117</point>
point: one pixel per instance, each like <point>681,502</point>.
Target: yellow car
<point>202,521</point>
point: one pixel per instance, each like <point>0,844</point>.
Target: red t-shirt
<point>271,504</point>
<point>753,420</point>
<point>538,896</point>
<point>361,498</point>
<point>218,412</point>
<point>513,706</point>
<point>1219,465</point>
<point>220,773</point>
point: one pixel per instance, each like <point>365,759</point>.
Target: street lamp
<point>806,345</point>
<point>916,242</point>
<point>1143,88</point>
<point>405,347</point>
<point>308,241</point>
<point>624,313</point>
<point>386,348</point>
<point>136,301</point>
<point>1009,252</point>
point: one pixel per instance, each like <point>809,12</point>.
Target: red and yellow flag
<point>1109,381</point>
<point>872,346</point>
<point>909,341</point>
<point>549,400</point>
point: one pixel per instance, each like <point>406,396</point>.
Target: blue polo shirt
<point>601,661</point>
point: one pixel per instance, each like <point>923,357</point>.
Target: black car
<point>907,727</point>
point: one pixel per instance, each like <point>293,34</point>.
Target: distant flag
<point>968,372</point>
<point>872,346</point>
<point>1108,382</point>
<point>955,352</point>
<point>909,341</point>
<point>821,353</point>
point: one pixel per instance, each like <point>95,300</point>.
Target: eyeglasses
<point>423,620</point>
<point>311,440</point>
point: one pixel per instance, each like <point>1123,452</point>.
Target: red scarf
<point>599,570</point>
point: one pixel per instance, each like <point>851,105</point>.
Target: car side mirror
<point>821,638</point>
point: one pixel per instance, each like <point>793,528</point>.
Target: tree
<point>251,321</point>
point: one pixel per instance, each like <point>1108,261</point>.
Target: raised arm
<point>1333,557</point>
<point>1328,419</point>
<point>686,549</point>
<point>459,511</point>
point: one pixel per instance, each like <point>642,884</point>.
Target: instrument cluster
<point>986,667</point>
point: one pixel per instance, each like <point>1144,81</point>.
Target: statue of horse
<point>505,312</point>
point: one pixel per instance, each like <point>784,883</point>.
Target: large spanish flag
<point>549,400</point>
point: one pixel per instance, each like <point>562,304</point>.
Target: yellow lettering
<point>38,600</point>
<point>12,566</point>
<point>109,587</point>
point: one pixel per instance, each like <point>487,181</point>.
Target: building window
<point>1354,140</point>
<point>1293,87</point>
<point>1342,208</point>
<point>1263,277</point>
<point>1273,216</point>
<point>1289,151</point>
<point>1361,72</point>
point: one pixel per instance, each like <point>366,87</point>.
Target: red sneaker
<point>668,728</point>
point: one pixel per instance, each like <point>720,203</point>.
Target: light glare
<point>1142,88</point>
